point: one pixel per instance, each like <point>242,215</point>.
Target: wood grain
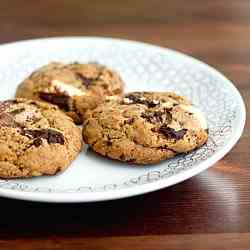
<point>170,242</point>
<point>209,211</point>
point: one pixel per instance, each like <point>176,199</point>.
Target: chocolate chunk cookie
<point>145,127</point>
<point>36,138</point>
<point>74,88</point>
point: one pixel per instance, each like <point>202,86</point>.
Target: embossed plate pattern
<point>143,67</point>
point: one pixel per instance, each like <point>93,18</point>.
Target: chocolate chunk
<point>151,104</point>
<point>134,98</point>
<point>17,111</point>
<point>7,120</point>
<point>50,135</point>
<point>85,80</point>
<point>61,100</point>
<point>154,130</point>
<point>142,100</point>
<point>171,133</point>
<point>37,142</point>
<point>55,137</point>
<point>158,116</point>
<point>129,121</point>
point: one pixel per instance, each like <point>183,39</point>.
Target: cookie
<point>35,139</point>
<point>145,127</point>
<point>74,88</point>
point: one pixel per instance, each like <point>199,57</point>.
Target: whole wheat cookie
<point>35,139</point>
<point>74,88</point>
<point>145,127</point>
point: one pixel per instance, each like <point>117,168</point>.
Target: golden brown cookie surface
<point>35,139</point>
<point>74,88</point>
<point>146,127</point>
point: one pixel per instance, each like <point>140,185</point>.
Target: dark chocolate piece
<point>158,116</point>
<point>61,100</point>
<point>38,142</point>
<point>171,133</point>
<point>52,136</point>
<point>85,80</point>
<point>139,100</point>
<point>129,121</point>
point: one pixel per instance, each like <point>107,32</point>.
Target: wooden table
<point>209,211</point>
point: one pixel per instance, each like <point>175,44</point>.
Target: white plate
<point>143,67</point>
